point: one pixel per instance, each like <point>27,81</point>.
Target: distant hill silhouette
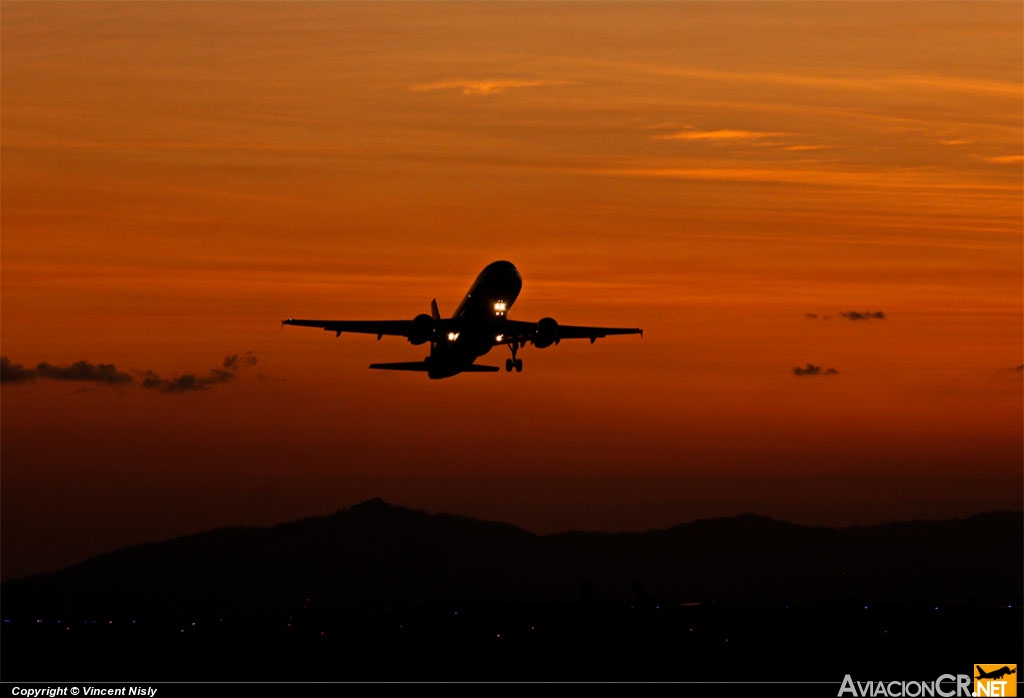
<point>378,592</point>
<point>383,556</point>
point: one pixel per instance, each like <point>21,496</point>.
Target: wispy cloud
<point>854,315</point>
<point>488,86</point>
<point>722,134</point>
<point>107,374</point>
<point>79,371</point>
<point>850,315</point>
<point>189,381</point>
<point>812,370</point>
<point>922,179</point>
<point>872,83</point>
<point>1006,160</point>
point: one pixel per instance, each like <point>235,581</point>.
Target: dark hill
<point>378,592</point>
<point>382,556</point>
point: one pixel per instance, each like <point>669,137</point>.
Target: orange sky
<point>176,178</point>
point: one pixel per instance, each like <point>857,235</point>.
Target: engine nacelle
<point>547,333</point>
<point>422,329</point>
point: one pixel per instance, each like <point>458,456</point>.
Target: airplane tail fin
<point>434,313</point>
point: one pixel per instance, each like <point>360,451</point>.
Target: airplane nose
<point>502,265</point>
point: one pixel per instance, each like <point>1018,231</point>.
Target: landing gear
<point>515,363</point>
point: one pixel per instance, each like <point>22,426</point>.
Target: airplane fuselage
<point>478,322</point>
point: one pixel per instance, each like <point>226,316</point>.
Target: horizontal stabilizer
<point>403,366</point>
<point>422,366</point>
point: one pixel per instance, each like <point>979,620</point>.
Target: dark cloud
<point>83,371</point>
<point>189,381</point>
<point>79,371</point>
<point>812,370</point>
<point>1019,368</point>
<point>236,361</point>
<point>811,316</point>
<point>854,315</point>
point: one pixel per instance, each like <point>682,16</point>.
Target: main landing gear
<point>515,363</point>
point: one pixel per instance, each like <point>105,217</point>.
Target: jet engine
<point>547,333</point>
<point>422,330</point>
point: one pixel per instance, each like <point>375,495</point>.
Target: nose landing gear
<point>515,363</point>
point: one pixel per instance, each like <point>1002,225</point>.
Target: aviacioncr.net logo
<point>995,680</point>
<point>946,686</point>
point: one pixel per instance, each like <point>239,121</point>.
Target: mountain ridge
<point>381,555</point>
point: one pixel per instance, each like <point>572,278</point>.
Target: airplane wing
<point>399,328</point>
<point>546,331</point>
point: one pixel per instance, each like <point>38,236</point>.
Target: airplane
<point>480,323</point>
<point>995,673</point>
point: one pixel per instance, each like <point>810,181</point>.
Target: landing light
<point>499,338</point>
<point>452,336</point>
<point>500,307</point>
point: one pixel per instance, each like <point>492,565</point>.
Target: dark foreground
<point>381,593</point>
<point>529,642</point>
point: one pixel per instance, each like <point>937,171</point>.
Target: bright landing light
<point>452,336</point>
<point>500,307</point>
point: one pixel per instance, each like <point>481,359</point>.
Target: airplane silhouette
<point>995,674</point>
<point>479,323</point>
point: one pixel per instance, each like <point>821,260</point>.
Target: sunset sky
<point>747,182</point>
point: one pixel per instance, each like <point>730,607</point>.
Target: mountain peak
<point>375,503</point>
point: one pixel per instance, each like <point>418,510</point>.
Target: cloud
<point>189,381</point>
<point>722,134</point>
<point>854,315</point>
<point>236,361</point>
<point>1006,160</point>
<point>888,179</point>
<point>1018,368</point>
<point>79,371</point>
<point>107,374</point>
<point>812,370</point>
<point>485,86</point>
